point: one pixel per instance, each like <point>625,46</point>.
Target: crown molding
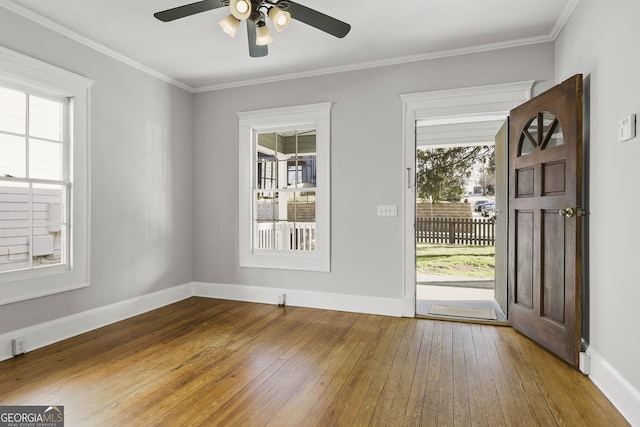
<point>47,23</point>
<point>377,64</point>
<point>29,14</point>
<point>563,18</point>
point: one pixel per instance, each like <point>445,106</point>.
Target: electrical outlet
<point>282,300</point>
<point>18,346</point>
<point>387,210</point>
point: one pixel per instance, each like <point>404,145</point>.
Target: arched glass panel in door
<point>542,132</point>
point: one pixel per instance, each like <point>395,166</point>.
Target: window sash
<point>39,129</point>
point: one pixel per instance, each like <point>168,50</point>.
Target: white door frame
<point>442,106</point>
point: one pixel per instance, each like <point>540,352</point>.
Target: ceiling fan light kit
<point>280,12</point>
<point>263,36</point>
<point>241,9</point>
<point>280,18</point>
<point>230,25</point>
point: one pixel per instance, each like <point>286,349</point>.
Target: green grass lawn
<point>456,260</point>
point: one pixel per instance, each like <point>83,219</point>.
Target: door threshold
<point>423,308</point>
<point>463,320</point>
<point>472,284</point>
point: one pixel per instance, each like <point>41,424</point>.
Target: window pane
<point>12,156</point>
<point>285,221</point>
<point>556,138</point>
<point>49,229</point>
<point>301,206</point>
<point>301,172</point>
<point>45,118</point>
<point>286,159</point>
<point>302,219</point>
<point>14,225</point>
<point>267,207</point>
<point>45,160</point>
<point>266,173</point>
<point>13,111</point>
<point>526,147</point>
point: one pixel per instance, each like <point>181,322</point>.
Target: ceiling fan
<point>280,12</point>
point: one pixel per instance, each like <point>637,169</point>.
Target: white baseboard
<point>624,396</point>
<point>298,298</point>
<point>47,333</point>
<point>38,336</point>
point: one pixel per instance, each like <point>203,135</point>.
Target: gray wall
<point>366,134</point>
<point>141,192</point>
<point>610,62</point>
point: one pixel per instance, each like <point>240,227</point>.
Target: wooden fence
<point>456,231</point>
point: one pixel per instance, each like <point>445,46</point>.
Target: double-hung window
<point>34,180</point>
<point>284,188</point>
<point>44,178</point>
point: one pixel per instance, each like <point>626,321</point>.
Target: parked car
<point>478,205</point>
<point>488,210</point>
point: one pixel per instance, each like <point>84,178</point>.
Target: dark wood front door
<point>545,218</point>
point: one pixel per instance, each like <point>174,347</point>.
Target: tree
<point>442,173</point>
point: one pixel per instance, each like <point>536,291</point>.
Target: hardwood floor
<point>212,362</point>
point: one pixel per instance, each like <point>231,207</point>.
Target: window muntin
<point>34,196</point>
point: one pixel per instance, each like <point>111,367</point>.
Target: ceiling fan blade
<point>318,20</point>
<point>187,10</point>
<point>255,51</point>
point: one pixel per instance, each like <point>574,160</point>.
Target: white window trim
<point>251,123</point>
<point>21,70</point>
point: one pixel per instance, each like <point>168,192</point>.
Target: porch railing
<point>298,236</point>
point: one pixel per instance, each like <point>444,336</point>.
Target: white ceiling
<point>195,54</point>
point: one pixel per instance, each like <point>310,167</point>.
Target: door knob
<point>567,213</point>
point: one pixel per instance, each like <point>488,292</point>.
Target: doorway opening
<point>455,224</point>
<point>465,105</point>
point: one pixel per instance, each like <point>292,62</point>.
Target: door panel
<point>545,205</point>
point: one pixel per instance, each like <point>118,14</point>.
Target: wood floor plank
<point>391,384</point>
<point>579,401</point>
<point>212,362</point>
<point>490,413</point>
<point>316,386</point>
<point>261,356</point>
<point>365,381</point>
<point>514,401</point>
<point>530,388</point>
<point>183,358</point>
<point>401,389</point>
<point>301,362</point>
<point>419,381</point>
<point>461,397</point>
<point>478,406</point>
<point>431,403</point>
